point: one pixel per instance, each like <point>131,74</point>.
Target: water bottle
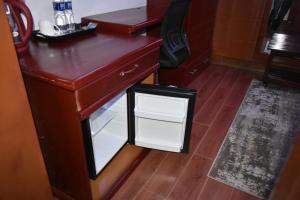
<point>59,15</point>
<point>13,26</point>
<point>69,15</point>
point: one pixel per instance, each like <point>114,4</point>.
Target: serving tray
<point>79,30</point>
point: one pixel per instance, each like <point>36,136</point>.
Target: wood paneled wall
<point>294,17</point>
<point>238,28</point>
<point>22,170</point>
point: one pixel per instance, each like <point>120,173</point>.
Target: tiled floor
<point>165,175</point>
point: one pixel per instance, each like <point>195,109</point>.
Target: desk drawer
<point>196,67</point>
<point>186,72</point>
<point>117,80</point>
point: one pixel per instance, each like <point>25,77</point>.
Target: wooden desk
<point>130,20</point>
<point>284,46</point>
<point>199,27</point>
<point>69,79</point>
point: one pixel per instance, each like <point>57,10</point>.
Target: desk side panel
<point>60,137</point>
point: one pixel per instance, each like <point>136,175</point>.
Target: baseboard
<point>253,66</point>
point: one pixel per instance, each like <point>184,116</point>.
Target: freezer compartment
<point>160,121</point>
<point>109,130</point>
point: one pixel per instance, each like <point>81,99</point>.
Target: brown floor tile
<point>170,169</point>
<point>212,141</point>
<point>209,110</point>
<point>140,176</point>
<point>165,177</point>
<point>200,82</point>
<point>147,195</point>
<point>230,78</point>
<point>198,132</point>
<point>239,195</point>
<point>193,178</point>
<point>209,87</point>
<point>206,90</point>
<point>239,90</point>
<point>202,78</point>
<point>214,190</point>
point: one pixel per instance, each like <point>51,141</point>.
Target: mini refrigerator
<point>151,116</point>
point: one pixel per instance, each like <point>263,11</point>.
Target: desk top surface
<point>74,62</point>
<point>130,20</point>
<point>285,43</point>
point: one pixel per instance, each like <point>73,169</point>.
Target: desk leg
<point>268,69</point>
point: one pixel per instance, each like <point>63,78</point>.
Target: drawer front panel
<point>115,80</point>
<point>196,68</point>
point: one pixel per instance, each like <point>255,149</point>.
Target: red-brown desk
<point>66,81</point>
<point>129,21</point>
<point>199,28</point>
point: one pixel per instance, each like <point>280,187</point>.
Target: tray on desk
<point>79,30</point>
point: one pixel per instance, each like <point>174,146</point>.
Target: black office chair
<point>175,48</point>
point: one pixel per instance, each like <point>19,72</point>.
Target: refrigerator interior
<point>109,130</point>
<point>160,121</point>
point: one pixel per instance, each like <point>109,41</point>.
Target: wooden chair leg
<point>268,69</point>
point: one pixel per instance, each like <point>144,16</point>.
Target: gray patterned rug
<point>259,139</point>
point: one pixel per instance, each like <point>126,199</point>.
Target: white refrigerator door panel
<point>172,106</point>
<point>160,121</point>
<point>165,134</point>
<point>161,117</point>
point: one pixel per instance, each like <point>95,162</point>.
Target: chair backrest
<point>175,48</point>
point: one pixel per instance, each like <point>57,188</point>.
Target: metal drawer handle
<point>206,61</point>
<point>194,71</point>
<point>135,66</point>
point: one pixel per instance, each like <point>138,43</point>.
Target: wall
<point>294,17</point>
<point>42,9</point>
<point>238,28</point>
<point>22,170</point>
